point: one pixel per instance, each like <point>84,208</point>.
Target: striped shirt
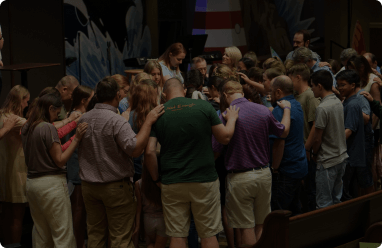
<point>105,150</point>
<point>249,146</point>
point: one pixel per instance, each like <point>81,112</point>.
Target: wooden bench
<point>341,225</point>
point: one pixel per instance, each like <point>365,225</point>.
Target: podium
<point>24,68</point>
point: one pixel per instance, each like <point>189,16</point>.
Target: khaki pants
<point>202,199</point>
<point>248,197</point>
<point>110,209</point>
<point>51,212</point>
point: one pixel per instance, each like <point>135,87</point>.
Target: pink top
<point>67,144</point>
<point>65,130</point>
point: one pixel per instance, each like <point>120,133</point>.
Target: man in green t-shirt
<point>189,181</point>
<point>300,75</point>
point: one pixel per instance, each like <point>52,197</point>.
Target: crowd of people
<point>172,156</point>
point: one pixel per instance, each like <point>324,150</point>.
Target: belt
<point>245,170</point>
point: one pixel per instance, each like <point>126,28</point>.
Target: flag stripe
<point>218,20</point>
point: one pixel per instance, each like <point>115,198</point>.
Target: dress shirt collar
<point>105,106</point>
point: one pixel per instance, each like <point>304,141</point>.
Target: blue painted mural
<point>101,34</point>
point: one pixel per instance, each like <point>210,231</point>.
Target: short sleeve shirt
<point>366,109</point>
<point>294,163</point>
<point>184,133</point>
<point>249,145</point>
<point>330,118</point>
<point>37,145</point>
<point>172,73</point>
<point>354,121</point>
<point>309,104</point>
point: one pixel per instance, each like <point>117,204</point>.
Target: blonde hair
<point>232,87</point>
<point>138,79</point>
<point>150,66</point>
<point>225,72</point>
<point>288,64</point>
<point>274,63</point>
<point>234,54</point>
<point>122,81</point>
<point>12,104</point>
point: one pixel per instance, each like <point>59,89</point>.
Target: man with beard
<point>302,39</point>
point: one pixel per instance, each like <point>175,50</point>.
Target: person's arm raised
<point>144,133</point>
<point>286,106</point>
<point>259,87</point>
<point>73,116</point>
<point>223,134</point>
<point>60,158</point>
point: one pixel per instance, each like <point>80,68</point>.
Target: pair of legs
<point>203,200</point>
<point>79,216</point>
<point>12,222</point>
<point>357,181</point>
<point>110,209</point>
<point>249,236</point>
<point>210,242</point>
<point>155,231</point>
<point>329,184</point>
<point>49,203</point>
<point>248,203</point>
<point>286,193</point>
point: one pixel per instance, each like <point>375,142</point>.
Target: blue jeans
<point>310,185</point>
<point>358,177</point>
<point>286,193</point>
<point>329,184</point>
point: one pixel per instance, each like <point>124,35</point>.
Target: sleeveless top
<point>172,73</point>
<point>370,83</point>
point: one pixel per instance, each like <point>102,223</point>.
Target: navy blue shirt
<point>369,133</point>
<point>354,121</point>
<point>294,163</point>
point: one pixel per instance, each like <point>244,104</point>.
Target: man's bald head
<point>66,86</point>
<point>284,83</point>
<point>371,59</point>
<point>67,81</point>
<point>172,85</point>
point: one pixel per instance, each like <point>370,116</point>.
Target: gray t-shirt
<point>37,145</point>
<point>330,117</point>
<point>354,121</point>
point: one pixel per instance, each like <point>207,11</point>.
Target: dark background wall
<point>33,33</point>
